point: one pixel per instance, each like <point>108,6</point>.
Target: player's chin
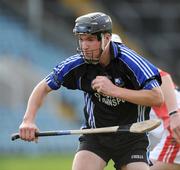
<point>92,60</point>
<point>87,56</point>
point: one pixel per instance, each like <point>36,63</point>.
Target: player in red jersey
<point>166,154</point>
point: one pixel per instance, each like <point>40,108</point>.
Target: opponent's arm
<point>175,125</point>
<point>28,128</point>
<point>152,97</point>
<point>169,93</point>
<point>172,106</point>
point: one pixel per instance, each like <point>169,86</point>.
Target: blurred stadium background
<point>37,34</point>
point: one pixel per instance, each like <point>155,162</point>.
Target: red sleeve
<point>163,73</point>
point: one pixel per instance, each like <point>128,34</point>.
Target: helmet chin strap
<point>102,42</point>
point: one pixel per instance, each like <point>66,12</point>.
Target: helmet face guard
<point>88,55</point>
<point>95,24</point>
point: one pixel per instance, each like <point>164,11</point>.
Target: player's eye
<point>91,39</point>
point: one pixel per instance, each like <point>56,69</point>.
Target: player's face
<point>90,46</point>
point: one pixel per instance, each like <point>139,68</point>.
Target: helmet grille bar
<point>95,16</point>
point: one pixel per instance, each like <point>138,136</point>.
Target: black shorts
<point>122,148</point>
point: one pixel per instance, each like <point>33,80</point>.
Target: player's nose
<point>85,45</point>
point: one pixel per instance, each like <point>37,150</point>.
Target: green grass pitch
<point>45,162</point>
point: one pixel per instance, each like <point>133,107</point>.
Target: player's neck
<point>105,56</point>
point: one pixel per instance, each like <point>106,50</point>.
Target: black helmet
<point>93,23</point>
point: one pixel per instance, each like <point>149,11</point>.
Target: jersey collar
<point>114,50</point>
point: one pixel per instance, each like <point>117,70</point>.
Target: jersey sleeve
<point>62,74</point>
<point>53,79</point>
<point>163,73</point>
<point>145,73</point>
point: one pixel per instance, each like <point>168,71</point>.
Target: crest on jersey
<point>119,82</point>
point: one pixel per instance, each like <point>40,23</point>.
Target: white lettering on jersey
<point>108,100</point>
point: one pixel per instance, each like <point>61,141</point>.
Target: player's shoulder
<point>122,52</point>
<point>74,60</point>
<point>163,73</point>
<point>126,51</point>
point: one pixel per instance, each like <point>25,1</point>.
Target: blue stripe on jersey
<point>115,48</point>
<point>79,83</point>
<point>55,79</point>
<point>89,108</point>
<point>150,85</point>
<point>141,61</point>
<point>141,112</point>
<point>53,84</point>
<point>141,68</point>
<point>137,62</point>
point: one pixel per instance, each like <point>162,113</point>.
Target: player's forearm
<point>143,97</point>
<point>35,101</point>
<point>169,93</point>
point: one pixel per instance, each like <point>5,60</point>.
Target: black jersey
<point>126,69</point>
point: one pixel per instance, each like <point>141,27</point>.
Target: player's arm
<point>172,106</point>
<point>27,128</point>
<point>175,125</point>
<point>147,79</point>
<point>152,97</point>
<point>169,93</point>
<point>144,97</point>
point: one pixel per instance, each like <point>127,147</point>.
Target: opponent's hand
<point>27,131</point>
<point>175,126</point>
<point>103,85</point>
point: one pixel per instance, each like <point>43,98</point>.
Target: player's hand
<point>175,126</point>
<point>103,85</point>
<point>27,131</point>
